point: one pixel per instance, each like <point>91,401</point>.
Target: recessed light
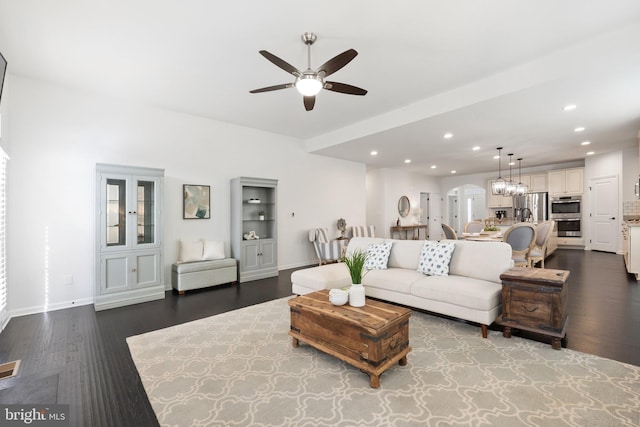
<point>374,153</point>
<point>496,157</point>
<point>585,143</point>
<point>512,163</point>
<point>579,129</point>
<point>433,166</point>
<point>590,153</point>
<point>453,171</point>
<point>407,160</point>
<point>448,135</point>
<point>476,148</point>
<point>570,107</point>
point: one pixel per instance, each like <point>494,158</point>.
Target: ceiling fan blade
<point>309,102</point>
<point>337,62</point>
<point>270,88</point>
<point>344,88</point>
<point>281,63</point>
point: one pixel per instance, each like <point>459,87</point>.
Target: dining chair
<point>539,249</point>
<point>475,226</point>
<point>449,232</point>
<point>521,238</point>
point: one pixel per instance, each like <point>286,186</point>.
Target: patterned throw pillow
<point>378,256</point>
<point>435,258</point>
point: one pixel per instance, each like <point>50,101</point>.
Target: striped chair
<point>326,249</point>
<point>363,231</point>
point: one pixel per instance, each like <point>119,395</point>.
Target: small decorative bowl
<point>338,296</point>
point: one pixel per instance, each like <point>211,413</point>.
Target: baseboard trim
<point>51,307</point>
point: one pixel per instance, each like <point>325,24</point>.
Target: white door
<point>435,216</point>
<point>604,222</point>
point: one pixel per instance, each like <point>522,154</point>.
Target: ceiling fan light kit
<point>309,83</point>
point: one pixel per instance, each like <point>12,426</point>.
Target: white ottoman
<point>202,274</point>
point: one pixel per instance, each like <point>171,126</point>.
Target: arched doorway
<point>464,204</point>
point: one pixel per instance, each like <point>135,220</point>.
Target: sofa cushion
<point>378,256</point>
<point>322,277</point>
<point>480,260</point>
<point>392,279</point>
<point>463,291</point>
<point>435,258</point>
<point>405,254</point>
<point>361,243</point>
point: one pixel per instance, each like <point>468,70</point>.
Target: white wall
<point>385,187</point>
<point>58,135</point>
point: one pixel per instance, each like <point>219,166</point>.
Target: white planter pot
<point>356,295</point>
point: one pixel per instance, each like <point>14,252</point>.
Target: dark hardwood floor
<point>80,357</point>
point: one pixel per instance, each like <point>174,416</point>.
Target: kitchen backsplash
<point>631,208</point>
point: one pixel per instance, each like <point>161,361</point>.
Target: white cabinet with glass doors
<point>129,235</point>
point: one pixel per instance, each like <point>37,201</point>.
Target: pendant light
<point>499,186</point>
<point>510,191</point>
<point>521,189</point>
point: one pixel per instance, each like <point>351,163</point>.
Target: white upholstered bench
<point>202,274</point>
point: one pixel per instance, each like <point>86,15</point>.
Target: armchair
<point>363,231</point>
<point>326,250</point>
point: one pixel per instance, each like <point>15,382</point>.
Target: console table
<point>535,300</point>
<point>403,230</point>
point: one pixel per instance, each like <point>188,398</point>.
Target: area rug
<point>240,369</point>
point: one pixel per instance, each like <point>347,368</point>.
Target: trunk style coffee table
<point>372,338</point>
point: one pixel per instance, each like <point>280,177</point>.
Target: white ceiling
<point>492,72</point>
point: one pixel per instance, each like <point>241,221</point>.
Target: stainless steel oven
<point>566,207</point>
<point>569,227</point>
<point>567,213</point>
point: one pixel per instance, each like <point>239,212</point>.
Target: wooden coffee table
<point>372,338</point>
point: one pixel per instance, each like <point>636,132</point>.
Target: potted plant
<point>355,261</point>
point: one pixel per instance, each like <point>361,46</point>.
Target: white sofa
<point>471,291</point>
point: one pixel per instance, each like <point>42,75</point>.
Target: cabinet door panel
<point>249,260</point>
<point>115,273</point>
<point>147,269</point>
<point>268,251</point>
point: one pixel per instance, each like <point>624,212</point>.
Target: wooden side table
<point>535,300</point>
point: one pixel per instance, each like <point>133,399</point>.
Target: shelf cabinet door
<point>128,212</point>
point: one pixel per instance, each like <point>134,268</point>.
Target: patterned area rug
<point>239,369</point>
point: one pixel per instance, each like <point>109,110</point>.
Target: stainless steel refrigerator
<point>531,207</point>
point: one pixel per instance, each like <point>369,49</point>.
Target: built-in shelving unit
<point>128,235</point>
<point>254,227</point>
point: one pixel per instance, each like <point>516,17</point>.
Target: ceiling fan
<point>309,82</point>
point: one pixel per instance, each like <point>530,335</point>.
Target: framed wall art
<point>196,202</point>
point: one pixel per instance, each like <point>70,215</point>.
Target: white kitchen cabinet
<point>497,201</point>
<point>254,213</point>
<point>631,249</point>
<point>538,183</point>
<point>128,235</point>
<point>566,181</point>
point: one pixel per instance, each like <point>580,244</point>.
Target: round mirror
<point>404,206</point>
